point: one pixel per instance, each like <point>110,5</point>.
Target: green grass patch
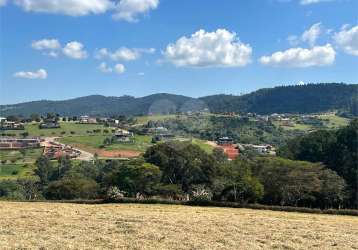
<point>203,145</point>
<point>334,121</point>
<point>147,118</point>
<point>140,143</point>
<point>66,129</point>
<point>15,170</point>
<point>17,156</point>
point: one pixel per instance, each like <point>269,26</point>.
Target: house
<point>85,119</point>
<point>122,135</point>
<point>49,125</point>
<point>261,149</point>
<point>225,141</point>
<point>9,125</point>
<point>231,151</point>
<point>55,151</point>
<point>14,143</point>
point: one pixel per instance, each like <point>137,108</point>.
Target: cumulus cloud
<point>129,10</point>
<point>300,57</point>
<point>104,68</point>
<point>44,44</point>
<point>207,49</point>
<point>66,7</point>
<point>39,74</point>
<point>311,35</point>
<point>119,68</point>
<point>75,50</point>
<point>123,54</point>
<point>347,39</point>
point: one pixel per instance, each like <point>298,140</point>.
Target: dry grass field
<point>136,226</point>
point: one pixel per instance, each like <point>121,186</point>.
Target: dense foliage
<point>285,99</point>
<point>338,150</point>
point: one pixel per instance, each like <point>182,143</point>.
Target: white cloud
<point>39,74</point>
<point>66,7</point>
<point>74,50</point>
<point>307,2</point>
<point>119,68</point>
<point>3,2</point>
<point>311,35</point>
<point>129,10</point>
<point>300,57</point>
<point>123,54</point>
<point>205,49</point>
<point>141,73</point>
<point>46,44</point>
<point>104,68</point>
<point>347,39</point>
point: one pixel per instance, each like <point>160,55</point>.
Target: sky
<point>61,49</point>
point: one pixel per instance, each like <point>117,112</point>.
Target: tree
<point>72,188</point>
<point>298,183</point>
<point>35,117</point>
<point>236,183</point>
<point>44,170</point>
<point>133,177</point>
<point>182,163</point>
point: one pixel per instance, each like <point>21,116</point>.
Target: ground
<point>65,130</point>
<point>136,226</point>
<point>16,163</point>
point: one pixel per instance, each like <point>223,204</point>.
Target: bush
<point>72,188</point>
<point>199,193</point>
<point>114,194</point>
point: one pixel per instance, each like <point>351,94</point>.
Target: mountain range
<point>308,98</point>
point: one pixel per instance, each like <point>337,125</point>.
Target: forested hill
<point>309,98</point>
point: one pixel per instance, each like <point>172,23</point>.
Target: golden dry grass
<point>136,226</point>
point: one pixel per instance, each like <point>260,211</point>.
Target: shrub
<point>200,193</point>
<point>114,194</point>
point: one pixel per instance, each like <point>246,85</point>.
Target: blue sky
<point>195,48</point>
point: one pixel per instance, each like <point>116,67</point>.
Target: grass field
<point>66,127</point>
<point>15,156</point>
<point>333,121</point>
<point>136,226</point>
<point>147,118</point>
<point>329,120</point>
<point>9,171</point>
<point>141,143</point>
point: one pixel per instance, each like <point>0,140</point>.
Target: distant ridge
<point>309,98</point>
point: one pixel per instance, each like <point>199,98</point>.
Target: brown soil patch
<point>118,153</point>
